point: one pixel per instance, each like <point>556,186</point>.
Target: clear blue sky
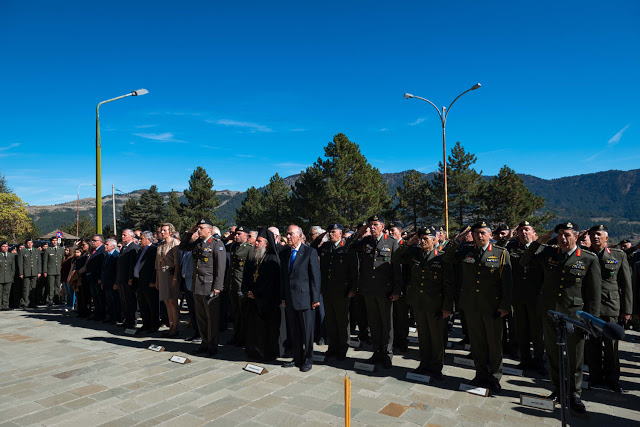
<point>248,89</point>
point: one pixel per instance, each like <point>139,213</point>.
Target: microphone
<point>610,330</point>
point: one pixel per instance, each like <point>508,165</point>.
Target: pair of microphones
<point>591,324</point>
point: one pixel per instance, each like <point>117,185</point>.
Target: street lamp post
<point>443,120</point>
<point>98,159</point>
<point>78,209</point>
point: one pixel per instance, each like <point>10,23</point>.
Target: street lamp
<point>78,209</point>
<point>443,120</point>
<point>98,160</point>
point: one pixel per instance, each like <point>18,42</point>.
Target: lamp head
<point>476,86</point>
<point>139,92</point>
<point>407,96</point>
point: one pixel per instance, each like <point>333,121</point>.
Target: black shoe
<point>341,356</point>
<point>437,376</point>
<point>615,386</point>
<point>372,360</point>
<point>494,386</point>
<point>291,364</point>
<point>192,338</point>
<point>387,363</point>
<point>478,382</point>
<point>524,365</point>
<point>577,405</point>
<point>305,368</point>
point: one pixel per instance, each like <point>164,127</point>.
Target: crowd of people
<point>286,293</point>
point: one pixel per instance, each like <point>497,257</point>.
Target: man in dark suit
<point>107,282</point>
<point>300,295</point>
<point>124,278</point>
<point>93,269</point>
<point>144,282</point>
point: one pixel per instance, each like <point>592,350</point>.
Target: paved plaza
<point>61,370</point>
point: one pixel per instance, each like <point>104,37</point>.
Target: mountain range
<point>611,198</point>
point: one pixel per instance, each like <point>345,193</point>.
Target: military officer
<point>7,273</point>
<point>485,297</point>
<point>29,270</point>
<point>616,303</point>
<point>572,282</point>
<point>400,307</point>
<point>380,283</point>
<point>240,250</point>
<point>339,283</point>
<point>209,263</point>
<point>430,294</point>
<point>51,263</point>
<point>527,283</point>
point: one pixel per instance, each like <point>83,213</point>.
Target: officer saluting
<point>209,262</point>
<point>616,302</point>
<point>430,294</point>
<point>572,282</point>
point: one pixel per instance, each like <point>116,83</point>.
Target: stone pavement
<point>60,370</point>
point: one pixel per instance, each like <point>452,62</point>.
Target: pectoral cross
<point>255,276</point>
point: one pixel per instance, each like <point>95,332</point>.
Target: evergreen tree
<point>276,203</point>
<point>128,214</point>
<point>251,212</point>
<point>174,210</point>
<point>4,187</point>
<point>413,198</point>
<point>151,209</point>
<point>464,187</point>
<point>508,200</point>
<point>343,188</point>
<point>201,198</point>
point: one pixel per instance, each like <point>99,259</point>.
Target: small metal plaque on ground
<point>155,347</point>
<point>537,402</point>
<point>354,343</point>
<point>463,361</point>
<point>585,385</point>
<point>364,366</point>
<point>478,391</point>
<point>130,331</point>
<point>585,368</point>
<point>412,329</point>
<point>512,371</point>
<point>179,359</point>
<point>320,358</point>
<point>413,340</point>
<point>418,377</point>
<point>255,369</point>
<point>467,347</point>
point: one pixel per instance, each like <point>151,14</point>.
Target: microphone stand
<point>566,326</point>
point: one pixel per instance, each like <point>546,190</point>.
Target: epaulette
<point>586,251</point>
<point>617,250</point>
<point>500,247</point>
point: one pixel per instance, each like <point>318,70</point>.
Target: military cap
<point>441,228</point>
<point>624,241</point>
<point>502,227</point>
<point>335,227</point>
<point>426,231</point>
<point>525,224</point>
<point>242,229</point>
<point>206,221</point>
<point>566,226</point>
<point>481,224</point>
<point>599,227</point>
<point>378,218</point>
<point>394,224</point>
<point>3,242</point>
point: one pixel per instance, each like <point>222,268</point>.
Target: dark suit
<point>148,298</point>
<point>299,288</point>
<point>109,270</point>
<point>128,300</point>
<point>93,274</point>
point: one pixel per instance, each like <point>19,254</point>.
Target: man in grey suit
<point>300,295</point>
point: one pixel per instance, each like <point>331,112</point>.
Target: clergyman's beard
<point>258,253</point>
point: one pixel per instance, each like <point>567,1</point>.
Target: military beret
<point>335,227</point>
<point>502,227</point>
<point>566,226</point>
<point>242,229</point>
<point>599,227</point>
<point>525,224</point>
<point>426,231</point>
<point>394,224</point>
<point>378,218</point>
<point>481,224</point>
<point>624,241</point>
<point>206,221</point>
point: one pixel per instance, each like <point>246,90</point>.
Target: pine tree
<point>201,198</point>
<point>128,214</point>
<point>4,187</point>
<point>151,209</point>
<point>276,202</point>
<point>251,212</point>
<point>464,187</point>
<point>508,200</point>
<point>174,209</point>
<point>413,198</point>
<point>343,188</point>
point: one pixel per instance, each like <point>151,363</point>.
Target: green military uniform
<point>617,299</point>
<point>527,284</point>
<point>339,277</point>
<point>239,254</point>
<point>51,264</point>
<point>379,279</point>
<point>7,274</point>
<point>430,291</point>
<point>572,282</point>
<point>29,267</point>
<point>486,288</point>
<point>401,313</point>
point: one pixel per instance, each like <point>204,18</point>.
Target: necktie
<point>293,256</point>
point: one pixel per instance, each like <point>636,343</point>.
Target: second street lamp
<point>443,120</point>
<point>98,159</point>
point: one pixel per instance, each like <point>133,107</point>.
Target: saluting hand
<point>545,237</point>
